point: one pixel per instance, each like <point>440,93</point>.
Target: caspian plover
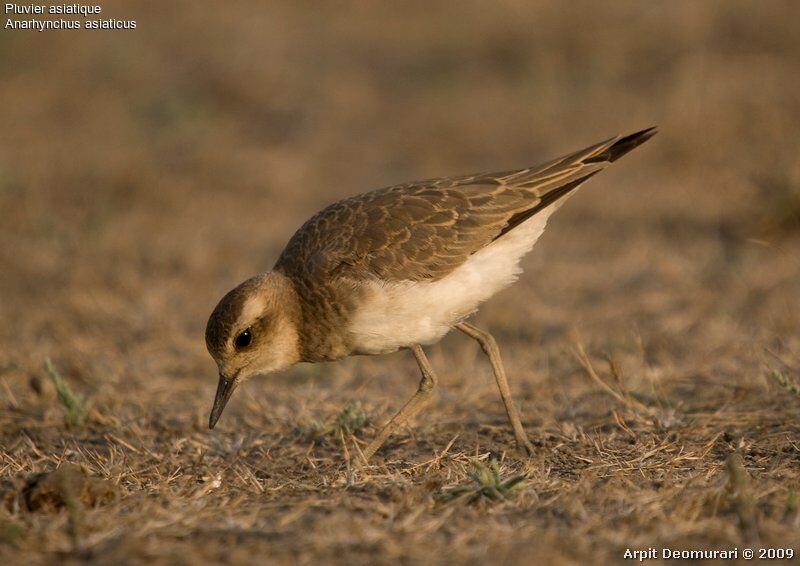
<point>397,268</point>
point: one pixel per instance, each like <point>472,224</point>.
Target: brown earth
<point>143,173</point>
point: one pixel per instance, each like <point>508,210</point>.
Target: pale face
<point>251,332</point>
<point>262,341</point>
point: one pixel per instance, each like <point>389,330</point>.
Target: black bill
<point>224,390</point>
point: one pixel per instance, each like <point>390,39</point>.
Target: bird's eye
<point>243,339</point>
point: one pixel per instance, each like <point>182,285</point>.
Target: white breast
<point>395,315</point>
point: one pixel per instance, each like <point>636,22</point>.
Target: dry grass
<point>143,174</point>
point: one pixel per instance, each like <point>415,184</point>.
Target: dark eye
<point>243,339</point>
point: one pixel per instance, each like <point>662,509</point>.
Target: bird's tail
<point>556,179</point>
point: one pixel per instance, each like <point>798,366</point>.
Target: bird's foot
<point>524,446</point>
<point>359,463</point>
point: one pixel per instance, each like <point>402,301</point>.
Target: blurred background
<point>144,173</point>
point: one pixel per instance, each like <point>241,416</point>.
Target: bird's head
<point>253,331</point>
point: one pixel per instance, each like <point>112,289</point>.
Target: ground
<point>144,173</point>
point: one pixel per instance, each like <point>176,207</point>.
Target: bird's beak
<point>224,390</point>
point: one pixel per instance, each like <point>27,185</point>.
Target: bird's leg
<point>489,347</point>
<point>427,386</point>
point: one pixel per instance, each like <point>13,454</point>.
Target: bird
<point>397,268</point>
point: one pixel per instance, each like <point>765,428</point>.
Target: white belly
<point>395,315</point>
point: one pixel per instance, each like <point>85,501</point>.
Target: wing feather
<point>424,230</point>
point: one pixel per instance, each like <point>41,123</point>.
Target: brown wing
<point>424,230</point>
